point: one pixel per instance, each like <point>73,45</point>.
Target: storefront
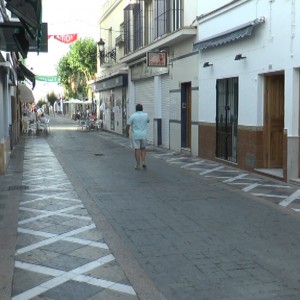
<point>151,89</point>
<point>111,95</point>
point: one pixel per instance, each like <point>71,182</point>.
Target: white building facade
<point>110,88</point>
<point>219,79</point>
<point>249,91</point>
<point>20,32</point>
<point>7,80</point>
<point>162,29</point>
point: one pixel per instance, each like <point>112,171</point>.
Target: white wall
<point>2,124</point>
<point>274,46</point>
<point>190,11</point>
<point>184,69</point>
<point>205,6</point>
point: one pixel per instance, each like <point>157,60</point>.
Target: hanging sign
<point>156,59</point>
<point>47,78</point>
<point>66,38</point>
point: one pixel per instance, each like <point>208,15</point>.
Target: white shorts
<point>138,144</point>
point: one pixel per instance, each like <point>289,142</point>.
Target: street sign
<point>157,59</point>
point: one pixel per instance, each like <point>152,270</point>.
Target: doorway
<point>273,121</point>
<point>186,114</point>
<point>227,119</point>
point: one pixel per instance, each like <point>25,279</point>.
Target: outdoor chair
<point>32,127</point>
<point>25,126</point>
<point>84,125</point>
<point>44,127</point>
<point>98,124</point>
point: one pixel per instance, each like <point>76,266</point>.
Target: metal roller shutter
<point>144,94</point>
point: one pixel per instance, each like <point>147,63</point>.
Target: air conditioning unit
<point>119,40</point>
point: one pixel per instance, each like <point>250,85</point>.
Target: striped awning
<point>228,36</point>
<point>25,93</point>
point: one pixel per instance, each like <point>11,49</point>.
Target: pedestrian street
<point>60,253</point>
<point>264,187</point>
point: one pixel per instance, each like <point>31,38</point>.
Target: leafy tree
<point>64,73</point>
<point>51,98</point>
<point>41,103</point>
<point>77,67</point>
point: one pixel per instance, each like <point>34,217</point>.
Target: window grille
<point>147,20</point>
<point>168,16</point>
<point>227,119</point>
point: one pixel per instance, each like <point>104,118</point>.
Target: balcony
<point>107,57</point>
<point>168,40</point>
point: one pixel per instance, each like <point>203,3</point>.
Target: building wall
<point>183,68</point>
<point>190,9</point>
<point>105,96</point>
<point>5,120</point>
<point>2,115</point>
<point>208,6</point>
<point>272,48</point>
<point>112,17</point>
<point>114,99</point>
<point>274,34</point>
<point>118,110</point>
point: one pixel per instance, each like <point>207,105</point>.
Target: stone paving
<point>275,191</point>
<point>60,254</point>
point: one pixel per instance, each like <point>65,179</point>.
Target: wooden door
<point>274,121</point>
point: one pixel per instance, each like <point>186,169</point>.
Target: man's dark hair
<point>139,107</point>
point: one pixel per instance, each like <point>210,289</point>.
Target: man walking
<point>138,125</point>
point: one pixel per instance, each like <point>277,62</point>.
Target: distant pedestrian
<point>42,119</point>
<point>137,125</point>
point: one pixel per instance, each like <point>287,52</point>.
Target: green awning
<point>24,73</point>
<point>30,14</point>
<point>28,11</point>
<point>8,44</point>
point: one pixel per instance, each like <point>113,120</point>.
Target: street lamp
<point>101,44</point>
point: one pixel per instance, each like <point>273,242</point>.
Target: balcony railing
<point>107,57</point>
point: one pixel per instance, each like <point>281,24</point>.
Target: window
<point>128,29</point>
<point>138,26</point>
<point>133,27</point>
<point>148,22</point>
<point>168,16</point>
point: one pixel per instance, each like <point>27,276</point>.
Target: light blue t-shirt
<point>138,122</point>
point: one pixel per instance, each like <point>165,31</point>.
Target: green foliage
<point>52,97</point>
<point>41,103</point>
<point>77,67</point>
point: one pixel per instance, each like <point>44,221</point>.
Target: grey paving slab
<point>25,280</point>
<point>200,230</point>
<point>65,262</point>
<point>57,243</point>
<point>174,218</point>
<point>71,290</point>
<point>37,256</point>
<point>62,247</point>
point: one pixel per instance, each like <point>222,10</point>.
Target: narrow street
<point>196,237</point>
